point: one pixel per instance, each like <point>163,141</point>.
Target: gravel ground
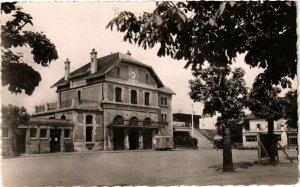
<point>151,168</point>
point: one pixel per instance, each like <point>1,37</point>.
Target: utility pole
<point>192,121</point>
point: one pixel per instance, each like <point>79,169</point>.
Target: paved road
<point>188,167</point>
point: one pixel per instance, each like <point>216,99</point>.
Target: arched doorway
<point>133,134</point>
<point>147,134</point>
<point>118,133</point>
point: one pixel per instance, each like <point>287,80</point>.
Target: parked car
<point>163,143</point>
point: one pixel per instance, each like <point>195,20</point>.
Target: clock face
<point>133,74</point>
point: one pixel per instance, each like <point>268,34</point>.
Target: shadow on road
<point>244,165</point>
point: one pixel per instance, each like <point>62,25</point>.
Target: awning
<point>54,122</point>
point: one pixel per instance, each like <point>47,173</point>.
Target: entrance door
<point>133,139</point>
<point>21,140</point>
<point>118,138</point>
<point>55,140</point>
<point>147,139</point>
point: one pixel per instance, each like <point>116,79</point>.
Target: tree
<point>290,108</point>
<point>14,116</point>
<point>265,103</point>
<point>215,32</point>
<point>16,73</point>
<point>223,91</point>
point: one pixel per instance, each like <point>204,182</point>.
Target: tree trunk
<point>15,143</point>
<point>227,154</point>
<point>271,142</point>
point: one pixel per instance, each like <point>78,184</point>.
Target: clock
<point>133,74</point>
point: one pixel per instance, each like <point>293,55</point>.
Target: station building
<point>111,103</point>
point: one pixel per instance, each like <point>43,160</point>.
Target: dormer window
<point>147,77</point>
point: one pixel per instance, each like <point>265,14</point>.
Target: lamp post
<point>192,121</point>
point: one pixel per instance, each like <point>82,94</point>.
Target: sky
<point>77,28</point>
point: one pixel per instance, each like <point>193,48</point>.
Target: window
<point>118,71</point>
<point>4,132</point>
<point>33,132</point>
<point>147,97</point>
<point>63,117</point>
<point>147,77</point>
<point>156,131</point>
<point>43,133</point>
<point>119,120</point>
<point>89,119</point>
<point>247,127</point>
<point>118,94</point>
<point>133,97</point>
<point>163,101</point>
<point>79,95</point>
<point>278,137</point>
<point>258,126</point>
<point>292,141</point>
<point>164,117</point>
<point>251,138</point>
<point>67,133</point>
<point>89,134</point>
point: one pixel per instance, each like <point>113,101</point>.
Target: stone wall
<point>79,119</point>
<point>32,146</point>
<point>91,93</point>
<point>44,146</point>
<point>7,147</point>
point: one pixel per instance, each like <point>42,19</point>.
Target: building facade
<point>115,103</point>
<point>259,127</point>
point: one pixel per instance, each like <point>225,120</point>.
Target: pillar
<point>110,139</point>
<point>104,138</point>
<point>141,143</point>
<point>126,140</point>
<point>153,134</point>
<point>62,135</point>
<point>27,138</point>
<point>58,101</point>
<point>46,107</point>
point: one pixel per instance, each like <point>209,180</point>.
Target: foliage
<point>224,91</point>
<point>290,108</point>
<point>221,91</point>
<point>217,31</point>
<point>13,117</point>
<point>16,73</point>
<point>264,101</point>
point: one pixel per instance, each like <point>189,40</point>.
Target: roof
<point>105,64</point>
<point>167,90</point>
<point>251,116</point>
<point>186,115</point>
<point>45,121</point>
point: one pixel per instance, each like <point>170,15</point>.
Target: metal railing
<point>87,104</point>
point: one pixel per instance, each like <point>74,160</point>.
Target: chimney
<point>67,69</point>
<point>93,61</point>
<point>128,53</point>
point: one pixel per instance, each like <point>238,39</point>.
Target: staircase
<point>203,142</point>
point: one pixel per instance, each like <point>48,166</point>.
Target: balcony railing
<point>74,103</point>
